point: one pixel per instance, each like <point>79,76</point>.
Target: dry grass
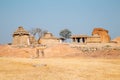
<point>59,69</point>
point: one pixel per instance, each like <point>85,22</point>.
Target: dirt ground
<point>59,69</point>
<point>64,50</point>
<point>61,62</point>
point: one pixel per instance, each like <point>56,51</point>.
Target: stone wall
<point>21,40</point>
<point>93,40</point>
<point>49,41</point>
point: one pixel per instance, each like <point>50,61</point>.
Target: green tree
<point>65,33</point>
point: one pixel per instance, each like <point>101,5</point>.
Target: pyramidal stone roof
<point>20,31</point>
<point>49,35</point>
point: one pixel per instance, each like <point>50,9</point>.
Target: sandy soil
<point>61,62</point>
<point>59,69</point>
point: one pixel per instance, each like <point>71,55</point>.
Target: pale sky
<point>79,16</point>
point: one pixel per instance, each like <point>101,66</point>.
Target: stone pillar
<point>81,40</point>
<point>75,40</point>
<point>85,40</point>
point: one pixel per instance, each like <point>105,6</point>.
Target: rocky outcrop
<point>104,36</point>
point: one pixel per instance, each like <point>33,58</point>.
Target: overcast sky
<point>79,16</point>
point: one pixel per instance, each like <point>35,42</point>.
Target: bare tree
<point>37,32</point>
<point>33,32</point>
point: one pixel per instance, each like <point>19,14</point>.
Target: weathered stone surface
<point>117,40</point>
<point>21,37</point>
<point>48,39</point>
<point>33,40</point>
<point>104,36</point>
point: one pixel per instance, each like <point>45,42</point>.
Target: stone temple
<point>49,38</point>
<point>21,37</point>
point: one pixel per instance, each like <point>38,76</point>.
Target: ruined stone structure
<point>48,38</point>
<point>104,36</point>
<point>33,41</point>
<point>85,39</point>
<point>21,37</point>
<point>99,35</point>
<point>116,40</point>
<point>79,38</point>
<point>93,39</point>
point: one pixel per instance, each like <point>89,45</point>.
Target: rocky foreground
<point>110,50</point>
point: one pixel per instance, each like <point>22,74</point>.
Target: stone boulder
<point>104,36</point>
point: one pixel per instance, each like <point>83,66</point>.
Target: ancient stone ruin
<point>79,38</point>
<point>49,38</point>
<point>99,35</point>
<point>33,41</point>
<point>102,33</point>
<point>21,37</point>
<point>116,40</point>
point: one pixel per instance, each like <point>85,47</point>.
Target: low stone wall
<point>95,47</point>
